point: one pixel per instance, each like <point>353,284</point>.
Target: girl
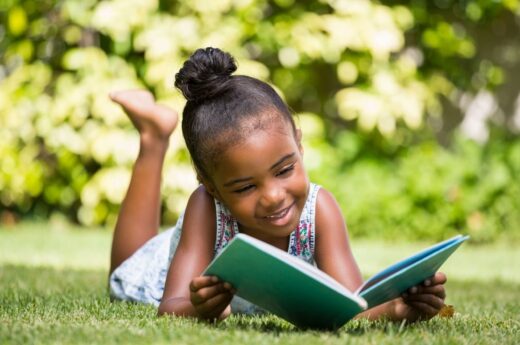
<point>247,154</point>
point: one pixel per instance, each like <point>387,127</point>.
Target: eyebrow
<point>243,179</point>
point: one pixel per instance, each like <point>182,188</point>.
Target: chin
<point>291,227</point>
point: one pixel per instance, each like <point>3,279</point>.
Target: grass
<point>53,291</point>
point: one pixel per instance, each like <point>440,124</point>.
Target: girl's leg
<point>138,219</point>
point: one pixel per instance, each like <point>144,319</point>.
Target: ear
<point>299,140</point>
<point>210,188</point>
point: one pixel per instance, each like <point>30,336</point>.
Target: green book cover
<point>306,296</point>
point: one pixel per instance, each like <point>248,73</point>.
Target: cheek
<point>243,208</point>
<point>303,180</point>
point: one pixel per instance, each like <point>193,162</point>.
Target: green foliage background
<point>372,82</point>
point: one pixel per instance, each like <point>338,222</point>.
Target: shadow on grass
<point>277,326</point>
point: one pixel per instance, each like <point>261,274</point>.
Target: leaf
<point>447,311</point>
<point>17,21</point>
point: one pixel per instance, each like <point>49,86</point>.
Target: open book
<point>309,298</point>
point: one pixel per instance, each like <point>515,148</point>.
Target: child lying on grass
<point>247,154</point>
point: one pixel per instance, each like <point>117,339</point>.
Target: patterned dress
<point>142,276</point>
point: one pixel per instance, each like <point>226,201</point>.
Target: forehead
<point>255,153</point>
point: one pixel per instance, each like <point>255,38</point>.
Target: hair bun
<point>205,74</point>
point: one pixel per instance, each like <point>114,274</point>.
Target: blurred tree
<point>391,72</point>
<point>474,45</point>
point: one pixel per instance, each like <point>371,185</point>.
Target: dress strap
<point>303,238</point>
<point>227,227</point>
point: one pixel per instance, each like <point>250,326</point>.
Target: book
<point>309,298</point>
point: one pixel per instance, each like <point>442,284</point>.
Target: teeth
<point>277,215</point>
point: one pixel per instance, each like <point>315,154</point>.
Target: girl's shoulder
<point>327,209</point>
<point>199,214</point>
<point>321,199</point>
<point>323,196</point>
<point>200,201</point>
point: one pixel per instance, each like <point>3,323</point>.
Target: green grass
<point>53,291</point>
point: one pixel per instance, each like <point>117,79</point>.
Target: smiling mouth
<point>279,214</point>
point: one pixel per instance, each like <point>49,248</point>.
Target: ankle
<point>153,144</point>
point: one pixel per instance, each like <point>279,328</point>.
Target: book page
<point>406,262</point>
<point>392,282</point>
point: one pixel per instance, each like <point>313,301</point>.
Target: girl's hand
<point>422,302</point>
<point>211,297</point>
<point>152,120</point>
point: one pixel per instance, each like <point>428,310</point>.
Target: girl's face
<point>263,183</point>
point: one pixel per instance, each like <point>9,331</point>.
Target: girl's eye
<point>244,189</point>
<point>286,170</point>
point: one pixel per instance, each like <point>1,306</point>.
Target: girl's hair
<point>222,109</point>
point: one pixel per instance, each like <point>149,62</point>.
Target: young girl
<point>247,154</point>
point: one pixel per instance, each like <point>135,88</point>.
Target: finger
<point>206,293</point>
<point>413,290</point>
<point>202,281</point>
<point>229,287</point>
<point>214,306</point>
<point>424,308</point>
<point>431,300</point>
<point>439,278</point>
<point>426,285</point>
<point>225,313</point>
<point>437,290</point>
<point>220,301</point>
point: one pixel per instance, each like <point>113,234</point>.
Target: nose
<point>272,197</point>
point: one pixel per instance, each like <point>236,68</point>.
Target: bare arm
<point>186,292</point>
<point>333,253</point>
<point>334,256</point>
<point>421,302</point>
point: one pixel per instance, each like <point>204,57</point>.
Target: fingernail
<point>214,279</point>
<point>427,282</point>
<point>413,290</point>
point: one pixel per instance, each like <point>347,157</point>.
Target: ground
<point>53,290</point>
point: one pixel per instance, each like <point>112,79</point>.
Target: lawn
<point>53,290</point>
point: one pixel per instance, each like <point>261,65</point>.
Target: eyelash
<point>281,173</point>
<point>244,189</point>
<point>286,170</point>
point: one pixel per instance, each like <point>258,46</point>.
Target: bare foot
<point>151,119</point>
